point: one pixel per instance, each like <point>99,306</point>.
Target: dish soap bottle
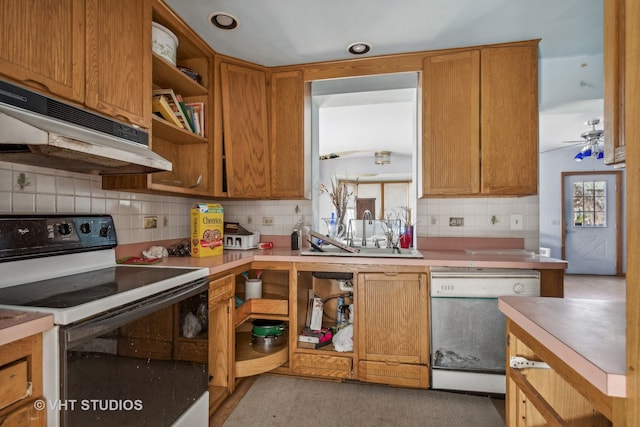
<point>332,226</point>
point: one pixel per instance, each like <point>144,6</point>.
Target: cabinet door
<point>25,416</point>
<point>43,45</point>
<point>287,136</point>
<point>391,316</point>
<point>246,136</point>
<point>509,120</point>
<point>118,70</point>
<point>221,343</point>
<point>451,121</point>
<point>614,75</point>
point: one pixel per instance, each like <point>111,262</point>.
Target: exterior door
<point>591,223</point>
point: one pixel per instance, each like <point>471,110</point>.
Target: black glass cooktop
<point>77,289</point>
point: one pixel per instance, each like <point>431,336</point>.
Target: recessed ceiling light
<point>223,20</point>
<point>358,48</point>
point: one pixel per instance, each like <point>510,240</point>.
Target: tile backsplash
<point>28,189</point>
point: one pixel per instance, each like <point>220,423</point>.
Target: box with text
<point>207,228</point>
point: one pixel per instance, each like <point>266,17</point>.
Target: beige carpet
<point>285,401</point>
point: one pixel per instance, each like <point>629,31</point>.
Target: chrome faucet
<point>365,215</point>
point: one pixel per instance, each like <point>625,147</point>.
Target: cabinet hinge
<point>518,362</point>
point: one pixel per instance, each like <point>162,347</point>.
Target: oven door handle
<point>121,316</point>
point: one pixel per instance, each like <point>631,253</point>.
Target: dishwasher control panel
<point>483,283</point>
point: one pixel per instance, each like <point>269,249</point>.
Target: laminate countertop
<point>588,335</point>
<point>451,258</point>
<point>15,324</point>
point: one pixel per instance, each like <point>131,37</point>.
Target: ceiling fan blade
<point>574,142</point>
<point>340,154</point>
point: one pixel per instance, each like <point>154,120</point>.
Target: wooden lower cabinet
<point>221,304</point>
<point>393,328</point>
<point>319,365</point>
<point>398,374</point>
<point>553,395</point>
<point>21,383</point>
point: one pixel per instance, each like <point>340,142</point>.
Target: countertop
<point>15,324</point>
<point>589,335</point>
<point>453,258</point>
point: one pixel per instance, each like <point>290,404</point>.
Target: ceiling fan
<point>593,140</point>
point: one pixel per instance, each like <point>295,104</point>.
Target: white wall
<point>552,164</point>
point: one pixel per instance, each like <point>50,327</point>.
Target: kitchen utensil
<point>266,327</point>
<point>267,344</point>
<point>253,288</point>
<point>333,242</point>
<point>198,182</point>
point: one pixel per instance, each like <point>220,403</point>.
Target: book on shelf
<point>187,118</point>
<point>161,106</point>
<point>198,116</point>
<point>171,98</point>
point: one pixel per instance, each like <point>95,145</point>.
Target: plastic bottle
<point>332,226</point>
<point>340,316</point>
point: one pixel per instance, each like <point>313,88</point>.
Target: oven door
<point>123,367</point>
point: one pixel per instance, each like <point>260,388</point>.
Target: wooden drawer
<point>221,289</point>
<point>24,416</point>
<point>322,366</point>
<point>399,374</point>
<point>14,383</point>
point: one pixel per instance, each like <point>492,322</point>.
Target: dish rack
<point>242,242</point>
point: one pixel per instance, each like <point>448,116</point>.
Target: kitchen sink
<point>370,252</point>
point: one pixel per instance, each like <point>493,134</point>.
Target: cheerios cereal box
<point>207,225</point>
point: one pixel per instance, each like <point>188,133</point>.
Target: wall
<point>53,191</point>
<point>552,164</point>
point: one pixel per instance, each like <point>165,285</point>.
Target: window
<point>590,204</point>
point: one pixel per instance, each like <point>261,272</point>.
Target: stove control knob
<point>64,229</point>
<point>104,231</point>
<point>85,228</point>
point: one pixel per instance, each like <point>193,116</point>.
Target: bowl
<point>164,42</point>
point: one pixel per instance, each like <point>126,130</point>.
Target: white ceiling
<point>284,32</point>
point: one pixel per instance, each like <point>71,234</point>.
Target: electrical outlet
<point>456,221</point>
<point>267,220</point>
<point>516,222</point>
<point>150,222</point>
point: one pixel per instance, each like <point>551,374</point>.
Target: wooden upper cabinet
<point>509,120</point>
<point>614,76</point>
<point>246,131</point>
<point>451,122</point>
<point>287,134</point>
<point>43,45</point>
<point>118,71</point>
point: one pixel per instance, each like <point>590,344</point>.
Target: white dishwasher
<point>468,332</point>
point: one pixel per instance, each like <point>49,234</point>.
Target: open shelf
<point>250,362</point>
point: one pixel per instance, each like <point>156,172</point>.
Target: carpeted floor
<point>286,401</point>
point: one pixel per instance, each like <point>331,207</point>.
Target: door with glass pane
<point>590,223</point>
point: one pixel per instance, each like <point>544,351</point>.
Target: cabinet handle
<point>38,85</point>
<point>387,273</point>
<point>518,362</point>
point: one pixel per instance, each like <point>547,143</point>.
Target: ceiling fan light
<point>382,157</point>
<point>578,157</point>
<point>600,155</point>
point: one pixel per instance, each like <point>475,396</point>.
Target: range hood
<point>42,131</point>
